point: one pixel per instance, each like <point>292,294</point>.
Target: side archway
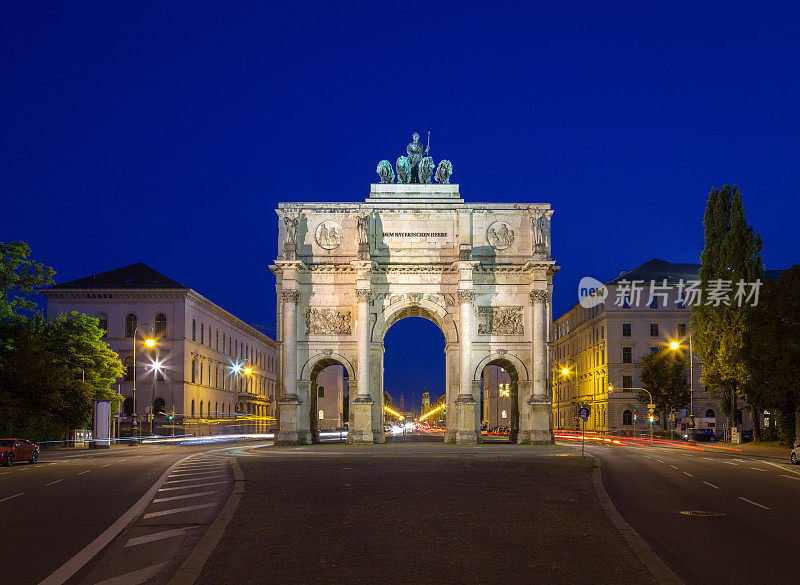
<point>307,387</point>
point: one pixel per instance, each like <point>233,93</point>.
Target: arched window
<point>216,377</point>
<point>209,336</point>
<point>202,333</point>
<point>130,325</point>
<point>129,369</point>
<point>159,406</point>
<point>321,415</point>
<point>194,372</point>
<point>201,383</point>
<point>192,406</point>
<point>710,414</point>
<point>127,406</point>
<point>201,408</point>
<point>504,414</point>
<point>161,326</point>
<point>216,409</point>
<point>627,418</point>
<point>216,345</point>
<point>224,338</point>
<point>320,392</point>
<point>194,330</point>
<point>103,323</point>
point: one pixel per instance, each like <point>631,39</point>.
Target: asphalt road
<point>748,532</point>
<point>51,510</point>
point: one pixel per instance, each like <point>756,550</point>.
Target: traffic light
<point>651,418</point>
<point>635,416</point>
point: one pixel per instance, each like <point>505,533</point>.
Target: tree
<point>732,254</point>
<point>20,276</point>
<point>664,375</point>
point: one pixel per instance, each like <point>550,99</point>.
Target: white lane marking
<point>158,536</point>
<point>754,503</point>
<point>716,487</point>
<point>179,510</point>
<point>190,486</point>
<point>82,472</point>
<point>12,497</point>
<point>741,460</point>
<point>709,458</point>
<point>730,463</point>
<point>689,474</point>
<point>791,477</point>
<point>197,478</point>
<point>672,466</point>
<point>106,465</point>
<point>134,577</point>
<point>645,456</point>
<point>121,460</point>
<point>184,496</point>
<point>756,468</point>
<point>781,466</point>
<point>659,460</point>
<point>52,482</point>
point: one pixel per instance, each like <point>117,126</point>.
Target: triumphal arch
<point>482,272</point>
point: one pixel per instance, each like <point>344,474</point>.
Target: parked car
<point>13,450</point>
<point>705,435</point>
<point>795,456</point>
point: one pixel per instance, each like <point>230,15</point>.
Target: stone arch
<point>330,358</point>
<point>497,358</point>
<point>426,309</point>
<point>307,384</point>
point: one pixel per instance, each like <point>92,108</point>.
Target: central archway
<point>445,321</point>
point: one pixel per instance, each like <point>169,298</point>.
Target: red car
<point>12,450</point>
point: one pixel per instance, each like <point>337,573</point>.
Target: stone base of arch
<point>361,430</point>
<point>466,413</point>
<point>536,427</point>
<point>288,433</point>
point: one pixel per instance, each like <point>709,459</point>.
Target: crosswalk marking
<point>178,510</point>
<point>198,478</point>
<point>185,496</point>
<point>191,486</point>
<point>134,577</point>
<point>158,536</point>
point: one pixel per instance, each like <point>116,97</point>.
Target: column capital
<point>466,296</point>
<point>290,295</point>
<point>364,295</point>
<point>538,296</point>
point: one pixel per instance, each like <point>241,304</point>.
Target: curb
<point>660,571</point>
<point>76,563</point>
<point>191,568</point>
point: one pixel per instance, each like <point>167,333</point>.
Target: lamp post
<point>149,342</point>
<point>675,345</point>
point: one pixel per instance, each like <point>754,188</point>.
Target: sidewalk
<point>420,513</point>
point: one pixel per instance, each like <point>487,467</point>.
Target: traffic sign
<point>583,412</point>
<point>651,406</point>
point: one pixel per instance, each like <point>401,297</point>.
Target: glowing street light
<point>565,371</point>
<point>149,342</point>
<point>675,345</point>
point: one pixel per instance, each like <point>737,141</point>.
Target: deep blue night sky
<point>167,132</point>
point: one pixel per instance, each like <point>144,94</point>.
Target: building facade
<point>597,352</point>
<point>497,398</point>
<point>214,371</point>
<point>331,390</point>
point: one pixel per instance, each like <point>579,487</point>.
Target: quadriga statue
<point>425,169</point>
<point>403,170</point>
<point>443,171</point>
<point>385,171</point>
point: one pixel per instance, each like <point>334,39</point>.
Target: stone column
<point>289,403</point>
<point>541,407</point>
<point>361,432</point>
<point>466,405</point>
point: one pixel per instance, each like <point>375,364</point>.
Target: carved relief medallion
<point>328,235</point>
<point>328,321</point>
<point>500,235</point>
<point>500,321</point>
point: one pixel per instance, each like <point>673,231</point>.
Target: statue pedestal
<point>288,433</point>
<point>465,421</point>
<point>538,429</point>
<point>361,430</point>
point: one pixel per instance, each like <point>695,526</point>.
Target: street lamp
<point>149,342</point>
<point>675,345</point>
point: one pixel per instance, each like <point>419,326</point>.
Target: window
<point>679,302</point>
<point>224,337</point>
<point>130,325</point>
<point>321,415</point>
<point>194,373</point>
<point>202,333</point>
<point>159,406</point>
<point>627,382</point>
<point>216,377</point>
<point>192,402</point>
<point>681,329</point>
<point>320,392</point>
<point>627,355</point>
<point>201,402</point>
<point>626,300</point>
<point>504,414</point>
<point>216,408</point>
<point>103,319</point>
<point>654,302</point>
<point>653,329</point>
<point>161,326</point>
<point>128,369</point>
<point>710,414</point>
<point>201,383</point>
<point>653,349</point>
<point>626,330</point>
<point>216,346</point>
<point>194,331</point>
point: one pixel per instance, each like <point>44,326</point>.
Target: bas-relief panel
<point>500,321</point>
<point>328,321</point>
